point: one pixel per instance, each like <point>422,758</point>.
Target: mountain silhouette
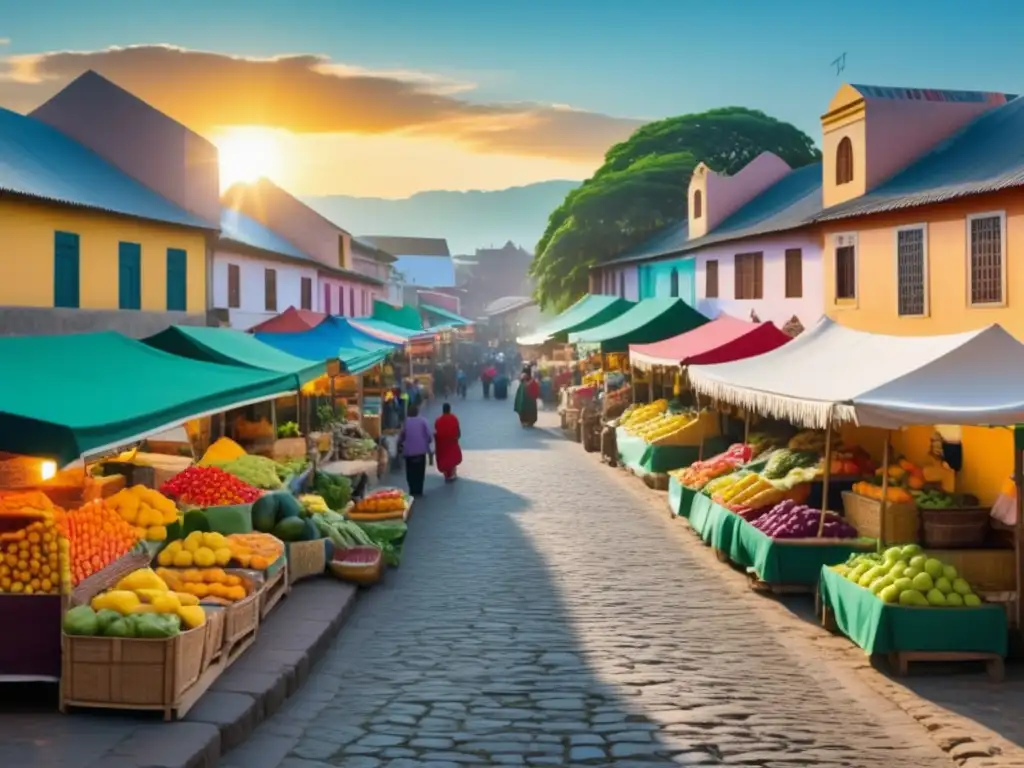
<point>468,220</point>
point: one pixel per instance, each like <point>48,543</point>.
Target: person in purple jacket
<point>414,443</point>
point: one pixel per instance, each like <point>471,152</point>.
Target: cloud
<point>309,94</point>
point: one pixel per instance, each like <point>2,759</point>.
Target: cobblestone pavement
<point>543,617</point>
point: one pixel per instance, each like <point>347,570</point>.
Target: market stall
<point>589,312</point>
<point>648,321</point>
<point>821,381</point>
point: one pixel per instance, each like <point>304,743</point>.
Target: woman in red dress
<point>446,438</point>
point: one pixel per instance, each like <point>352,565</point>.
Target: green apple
<point>892,554</point>
<point>909,550</point>
<point>903,584</point>
<point>890,594</point>
<point>953,600</point>
<point>897,568</point>
<point>944,585</point>
<point>912,571</point>
<point>918,561</point>
<point>923,582</point>
<point>935,598</point>
<point>912,597</point>
<point>881,583</point>
<point>972,600</point>
<point>949,572</point>
<point>933,567</point>
<point>961,587</point>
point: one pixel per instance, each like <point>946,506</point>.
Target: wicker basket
<point>865,514</point>
<point>363,574</point>
<point>954,528</point>
<point>306,559</point>
<point>106,578</point>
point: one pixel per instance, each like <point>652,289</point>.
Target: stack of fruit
<point>149,511</point>
<point>97,536</point>
<point>209,487</point>
<point>140,605</point>
<point>282,514</point>
<point>636,418</point>
<point>34,554</point>
<point>907,576</point>
<point>204,550</point>
<point>210,584</point>
<point>790,520</point>
<point>381,505</point>
<point>752,492</point>
<point>255,550</point>
<point>700,473</point>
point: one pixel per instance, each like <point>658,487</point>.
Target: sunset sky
<point>390,98</point>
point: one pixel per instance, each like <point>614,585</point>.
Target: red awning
<point>292,320</point>
<point>722,340</point>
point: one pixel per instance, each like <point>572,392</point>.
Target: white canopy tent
<point>875,380</point>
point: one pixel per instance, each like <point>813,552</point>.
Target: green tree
<point>642,187</point>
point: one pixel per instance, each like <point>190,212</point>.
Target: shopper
<point>447,433</point>
<point>414,443</point>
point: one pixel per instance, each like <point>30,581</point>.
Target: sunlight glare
<point>246,154</point>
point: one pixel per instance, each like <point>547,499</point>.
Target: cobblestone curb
<point>968,743</point>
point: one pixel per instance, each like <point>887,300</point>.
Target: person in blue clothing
<point>460,382</point>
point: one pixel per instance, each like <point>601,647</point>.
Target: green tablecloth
<point>775,562</point>
<point>878,627</point>
<point>680,498</point>
<point>641,456</point>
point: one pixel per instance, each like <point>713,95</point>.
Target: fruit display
<point>853,461</point>
<point>34,554</point>
<point>254,550</point>
<point>282,514</point>
<point>782,461</point>
<point>909,483</point>
<point>633,420</point>
<point>209,487</point>
<point>810,441</point>
<point>383,501</point>
<point>336,490</point>
<point>97,536</point>
<point>214,585</point>
<point>196,549</point>
<point>149,511</point>
<point>142,592</point>
<point>257,471</point>
<point>342,532</point>
<point>700,473</point>
<point>790,520</point>
<point>87,621</point>
<point>894,494</point>
<point>908,576</point>
<point>593,379</point>
<point>313,504</point>
<point>754,492</point>
<point>221,451</point>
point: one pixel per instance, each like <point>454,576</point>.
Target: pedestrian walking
<point>460,382</point>
<point>414,443</point>
<point>447,433</point>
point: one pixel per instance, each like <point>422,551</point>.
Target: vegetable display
<point>336,490</point>
<point>257,471</point>
<point>97,536</point>
<point>312,504</point>
<point>342,533</point>
<point>789,520</point>
<point>700,473</point>
<point>908,576</point>
<point>389,536</point>
<point>149,511</point>
<point>209,487</point>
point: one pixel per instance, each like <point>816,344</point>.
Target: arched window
<point>622,285</point>
<point>698,204</point>
<point>844,161</point>
<point>674,283</point>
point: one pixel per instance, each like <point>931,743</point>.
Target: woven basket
<point>306,559</point>
<point>363,574</point>
<point>865,514</point>
<point>954,528</point>
<point>106,578</point>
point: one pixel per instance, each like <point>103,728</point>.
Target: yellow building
<point>924,205</point>
<point>84,246</point>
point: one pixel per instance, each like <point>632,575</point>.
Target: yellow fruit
<point>192,616</point>
<point>149,595</point>
<point>120,600</point>
<point>222,556</point>
<point>204,557</point>
<point>185,598</point>
<point>143,578</point>
<point>167,603</point>
<point>156,533</point>
<point>165,558</point>
<point>183,559</point>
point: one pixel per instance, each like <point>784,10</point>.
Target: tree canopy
<point>642,187</point>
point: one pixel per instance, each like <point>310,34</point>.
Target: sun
<point>246,154</point>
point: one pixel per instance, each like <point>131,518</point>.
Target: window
<point>306,297</point>
<point>987,243</point>
<point>911,272</point>
<point>270,290</point>
<point>711,279</point>
<point>351,301</point>
<point>794,273</point>
<point>844,161</point>
<point>673,283</point>
<point>622,285</point>
<point>327,298</point>
<point>66,274</point>
<point>749,273</point>
<point>363,301</point>
<point>698,204</point>
<point>129,276</point>
<point>341,301</point>
<point>177,280</point>
<point>846,268</point>
<point>234,286</point>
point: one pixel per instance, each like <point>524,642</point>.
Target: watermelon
<point>291,529</point>
<point>287,506</point>
<point>264,512</point>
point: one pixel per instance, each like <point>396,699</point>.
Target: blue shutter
<point>129,275</point>
<point>177,280</point>
<point>66,270</point>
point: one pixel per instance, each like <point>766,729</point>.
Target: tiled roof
<point>244,230</point>
<point>985,156</point>
<point>41,162</point>
<point>790,203</point>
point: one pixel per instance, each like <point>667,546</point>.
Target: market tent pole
<point>1018,529</point>
<point>885,491</point>
<point>700,450</point>
<point>273,417</point>
<point>827,474</point>
<point>746,427</point>
<point>650,385</point>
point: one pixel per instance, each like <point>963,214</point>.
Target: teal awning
<point>446,316</point>
<point>127,391</point>
<point>648,321</point>
<point>230,347</point>
<point>586,313</point>
<point>404,317</point>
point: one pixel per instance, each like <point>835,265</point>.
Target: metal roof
<point>245,230</point>
<point>790,203</point>
<point>985,156</point>
<point>408,246</point>
<point>372,251</point>
<point>41,162</point>
<point>891,93</point>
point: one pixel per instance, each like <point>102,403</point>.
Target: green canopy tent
<point>125,391</point>
<point>588,312</point>
<point>230,347</point>
<point>404,316</point>
<point>444,317</point>
<point>648,321</point>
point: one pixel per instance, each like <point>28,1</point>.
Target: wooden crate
<point>242,618</point>
<point>214,645</point>
<point>865,514</point>
<point>306,559</point>
<point>133,673</point>
<point>274,590</point>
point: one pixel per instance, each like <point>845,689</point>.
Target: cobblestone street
<point>543,616</point>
